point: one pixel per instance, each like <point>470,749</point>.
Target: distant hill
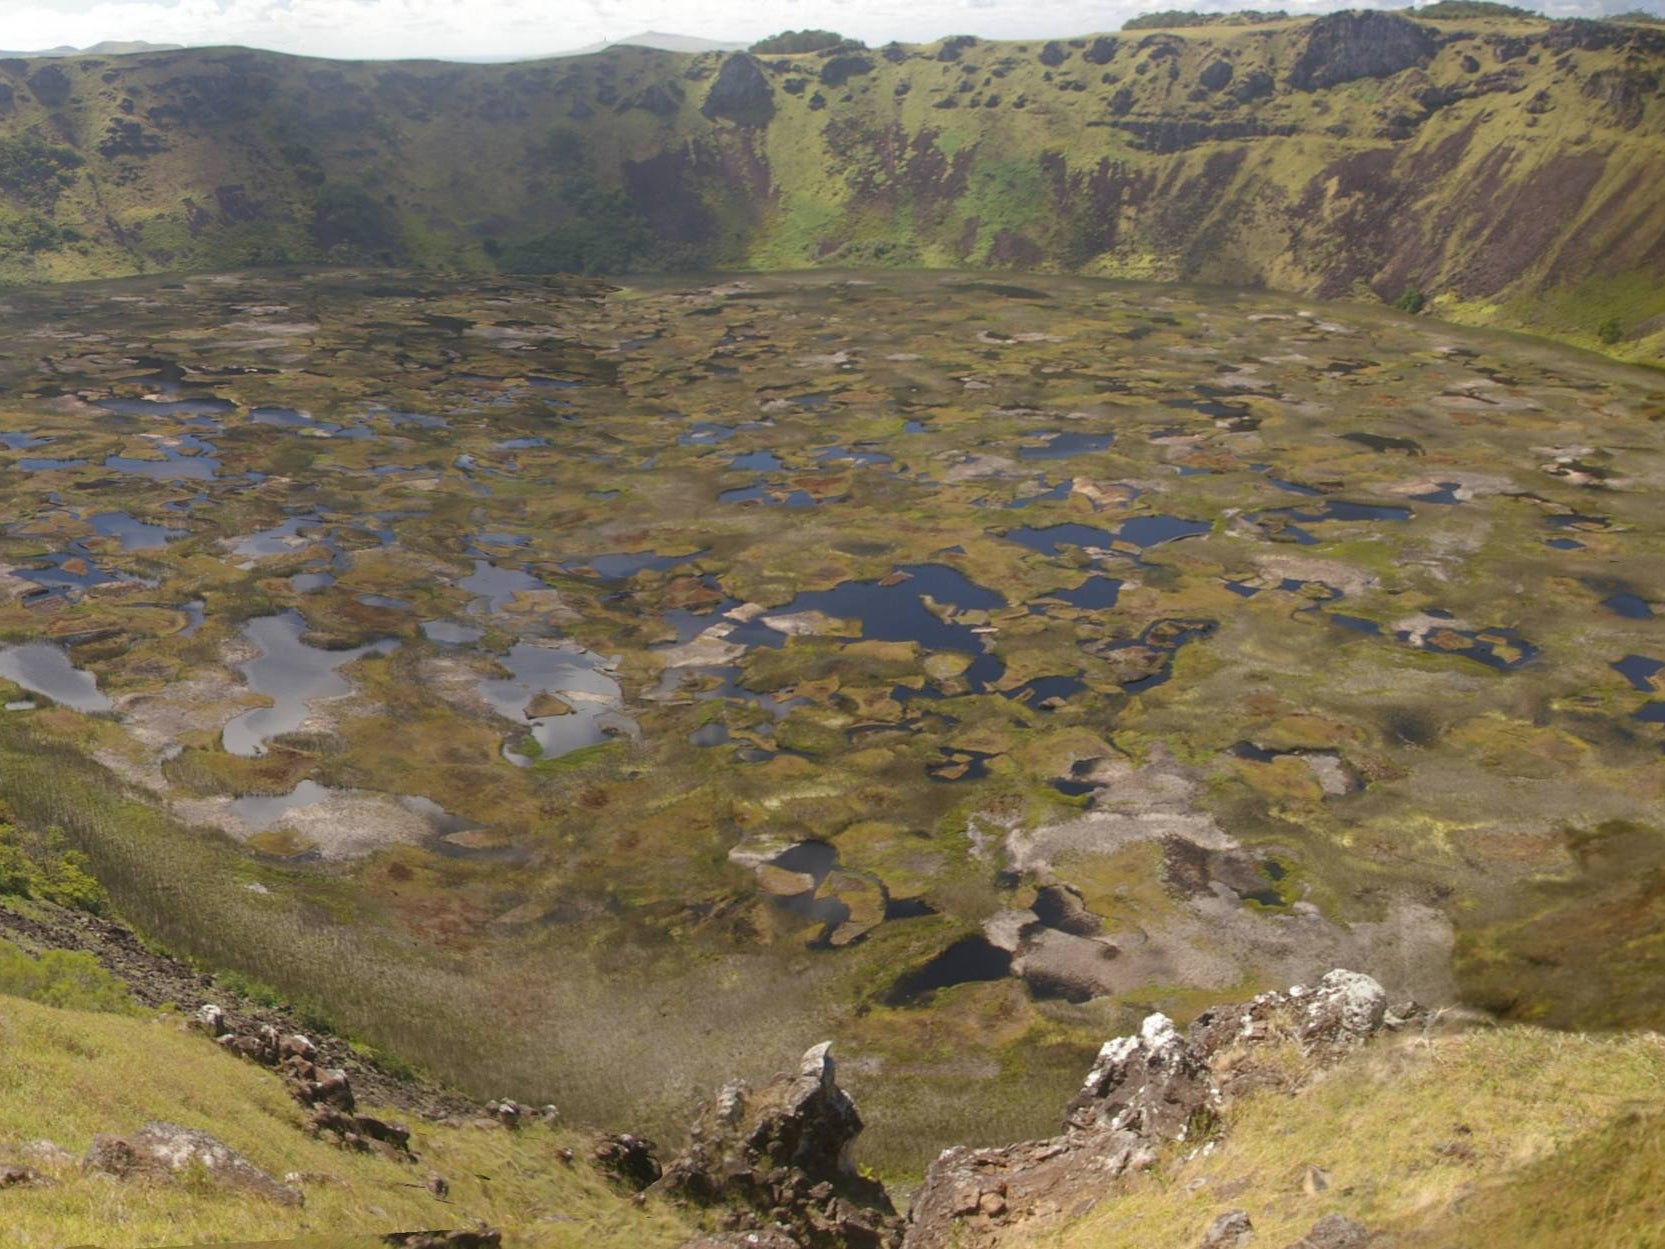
<point>109,47</point>
<point>1501,169</point>
<point>659,42</point>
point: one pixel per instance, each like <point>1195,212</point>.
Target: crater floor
<point>551,678</point>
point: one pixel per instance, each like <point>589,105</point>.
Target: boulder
<point>1346,1009</point>
<point>1342,47</point>
<point>166,1149</point>
<point>763,1238</point>
<point>740,93</point>
<point>1232,1230</point>
<point>629,1159</point>
<point>210,1019</point>
<point>15,1175</point>
<point>779,1158</point>
<point>510,1114</point>
<point>1335,1231</point>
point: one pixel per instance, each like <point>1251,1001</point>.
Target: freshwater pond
<point>292,674</point>
<point>43,668</point>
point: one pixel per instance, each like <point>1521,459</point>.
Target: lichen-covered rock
<point>740,93</point>
<point>1154,1085</point>
<point>211,1019</point>
<point>1344,46</point>
<point>1345,1009</point>
<point>779,1157</point>
<point>166,1149</point>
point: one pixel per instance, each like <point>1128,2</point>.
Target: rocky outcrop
<point>778,1159</point>
<point>326,1092</point>
<point>166,1149</point>
<point>741,93</point>
<point>1345,46</point>
<point>1144,1092</point>
<point>1153,1086</point>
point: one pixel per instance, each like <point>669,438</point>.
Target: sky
<point>476,29</point>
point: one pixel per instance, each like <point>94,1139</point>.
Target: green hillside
<point>1499,167</point>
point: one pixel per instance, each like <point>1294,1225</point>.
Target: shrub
<point>1462,10</point>
<point>71,979</point>
<point>349,218</point>
<point>45,867</point>
<point>1412,301</point>
<point>792,41</point>
<point>1610,331</point>
<point>1171,19</point>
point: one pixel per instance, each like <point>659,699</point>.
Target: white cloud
<point>492,28</point>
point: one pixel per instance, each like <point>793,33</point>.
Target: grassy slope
<point>66,1075</point>
<point>1503,1136</point>
<point>1525,204</point>
<point>1510,1136</point>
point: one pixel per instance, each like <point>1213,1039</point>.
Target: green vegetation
<point>1173,19</point>
<point>1412,300</point>
<point>1611,330</point>
<point>70,979</point>
<point>603,232</point>
<point>1469,10</point>
<point>46,867</point>
<point>34,171</point>
<point>352,224</point>
<point>558,930</point>
<point>1262,185</point>
<point>792,41</point>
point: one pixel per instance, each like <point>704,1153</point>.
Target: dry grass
<point>65,1075</point>
<point>1512,1136</point>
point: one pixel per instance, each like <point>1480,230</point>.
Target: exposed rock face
<point>838,70</point>
<point>1144,1091</point>
<point>778,1157</point>
<point>166,1149</point>
<point>50,85</point>
<point>1345,46</point>
<point>741,93</point>
<point>1216,76</point>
